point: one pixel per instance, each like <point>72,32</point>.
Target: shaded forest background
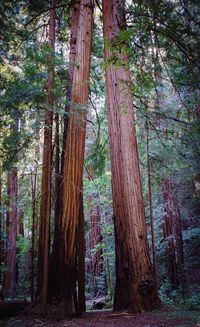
<point>161,40</point>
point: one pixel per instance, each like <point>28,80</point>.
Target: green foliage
<point>191,302</point>
<point>98,162</point>
<point>175,298</point>
<point>23,246</point>
<point>164,292</point>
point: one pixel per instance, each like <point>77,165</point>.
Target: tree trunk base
<point>12,308</point>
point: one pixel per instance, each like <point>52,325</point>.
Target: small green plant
<point>164,292</point>
<point>192,301</point>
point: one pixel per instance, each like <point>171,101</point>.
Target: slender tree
<point>135,286</point>
<point>45,201</point>
<point>10,277</point>
<point>173,237</point>
<point>149,168</point>
<point>34,190</point>
<point>10,274</point>
<point>81,303</point>
<point>95,237</point>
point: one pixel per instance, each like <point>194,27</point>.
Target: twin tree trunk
<point>135,285</point>
<point>56,262</point>
<point>74,157</point>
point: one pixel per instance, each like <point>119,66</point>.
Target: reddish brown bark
<point>20,222</point>
<point>57,177</point>
<point>10,274</point>
<point>45,201</point>
<point>55,271</point>
<point>72,56</point>
<point>34,189</point>
<point>169,234</point>
<point>135,286</point>
<point>81,305</point>
<point>74,156</point>
<point>173,237</point>
<point>95,238</point>
<point>151,208</point>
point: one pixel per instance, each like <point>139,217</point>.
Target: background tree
<point>45,204</point>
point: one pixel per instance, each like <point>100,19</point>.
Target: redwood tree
<point>34,190</point>
<point>81,304</point>
<point>55,260</point>
<point>95,237</point>
<point>73,161</point>
<point>135,287</point>
<point>12,215</point>
<point>45,201</point>
<point>173,237</point>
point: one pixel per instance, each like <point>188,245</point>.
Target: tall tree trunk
<point>180,250</point>
<point>81,305</point>
<point>57,177</point>
<point>135,287</point>
<point>173,236</point>
<point>169,234</point>
<point>95,264</point>
<point>72,56</point>
<point>10,274</point>
<point>34,189</point>
<point>45,201</point>
<point>95,238</point>
<point>55,271</point>
<point>151,207</point>
<point>74,156</point>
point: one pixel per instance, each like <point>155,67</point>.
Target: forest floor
<point>112,319</point>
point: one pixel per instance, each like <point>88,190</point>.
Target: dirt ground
<point>112,319</point>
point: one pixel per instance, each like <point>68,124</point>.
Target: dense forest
<point>99,161</point>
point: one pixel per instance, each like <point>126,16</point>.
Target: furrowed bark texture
<point>72,56</point>
<point>74,156</point>
<point>135,286</point>
<point>57,178</point>
<point>55,271</point>
<point>45,202</point>
<point>81,305</point>
<point>10,274</point>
